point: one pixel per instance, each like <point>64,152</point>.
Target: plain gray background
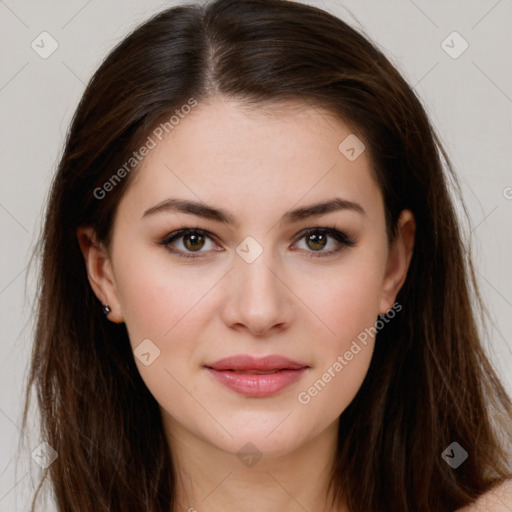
<point>469,100</point>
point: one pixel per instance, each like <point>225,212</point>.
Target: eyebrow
<point>220,215</point>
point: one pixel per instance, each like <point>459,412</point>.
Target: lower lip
<point>257,385</point>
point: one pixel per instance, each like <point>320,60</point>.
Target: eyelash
<point>342,238</point>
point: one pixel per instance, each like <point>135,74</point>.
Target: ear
<point>99,271</point>
<point>399,258</point>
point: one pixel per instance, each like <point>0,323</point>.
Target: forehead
<point>254,157</point>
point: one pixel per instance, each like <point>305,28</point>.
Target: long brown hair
<point>429,383</point>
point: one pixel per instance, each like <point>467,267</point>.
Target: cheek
<point>162,304</point>
<point>333,386</point>
<point>158,296</point>
<point>351,305</point>
<point>350,309</point>
<point>166,303</point>
<point>346,299</point>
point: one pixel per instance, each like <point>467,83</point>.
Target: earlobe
<point>99,271</point>
<point>400,254</point>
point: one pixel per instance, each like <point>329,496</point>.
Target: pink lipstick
<point>256,377</point>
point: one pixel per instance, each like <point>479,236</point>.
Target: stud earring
<point>106,309</point>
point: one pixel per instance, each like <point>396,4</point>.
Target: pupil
<point>315,239</point>
<point>194,240</point>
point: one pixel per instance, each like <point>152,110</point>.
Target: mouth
<point>254,372</point>
<point>256,377</point>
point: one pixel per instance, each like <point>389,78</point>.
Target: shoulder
<point>498,499</point>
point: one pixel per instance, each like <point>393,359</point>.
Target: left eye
<point>193,240</point>
<point>318,238</point>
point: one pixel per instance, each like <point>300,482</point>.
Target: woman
<point>254,291</point>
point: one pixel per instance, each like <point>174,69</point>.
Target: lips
<point>256,377</point>
<point>249,363</point>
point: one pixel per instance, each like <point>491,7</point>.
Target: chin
<point>272,435</point>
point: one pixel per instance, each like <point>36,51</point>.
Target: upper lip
<point>247,362</point>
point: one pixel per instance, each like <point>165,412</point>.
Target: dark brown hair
<point>429,383</point>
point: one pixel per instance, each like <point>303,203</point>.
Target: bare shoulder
<point>498,499</point>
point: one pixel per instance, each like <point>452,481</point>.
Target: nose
<point>258,299</point>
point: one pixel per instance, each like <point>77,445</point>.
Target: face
<point>247,279</point>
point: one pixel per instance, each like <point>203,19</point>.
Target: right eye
<point>191,239</point>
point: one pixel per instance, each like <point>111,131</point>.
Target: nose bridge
<point>257,278</point>
<point>257,297</point>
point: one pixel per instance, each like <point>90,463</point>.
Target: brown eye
<point>317,239</point>
<point>193,241</point>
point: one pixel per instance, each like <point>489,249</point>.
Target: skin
<point>498,499</point>
<point>257,164</point>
